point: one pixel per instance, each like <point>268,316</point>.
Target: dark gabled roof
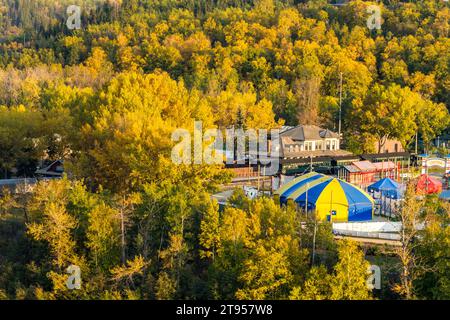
<point>328,134</point>
<point>295,133</point>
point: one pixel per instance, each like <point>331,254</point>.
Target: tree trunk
<point>122,229</point>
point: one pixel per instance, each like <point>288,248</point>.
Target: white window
<point>319,145</point>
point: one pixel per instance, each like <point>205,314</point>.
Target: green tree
<point>410,265</point>
<point>349,281</point>
<point>434,251</point>
<point>388,113</point>
<point>266,273</point>
<point>19,136</point>
<point>316,287</point>
<point>103,236</point>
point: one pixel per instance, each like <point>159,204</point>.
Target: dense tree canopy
<point>106,98</point>
<point>268,61</point>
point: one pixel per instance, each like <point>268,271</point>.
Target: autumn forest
<point>105,99</point>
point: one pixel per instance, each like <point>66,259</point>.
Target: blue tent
<point>332,199</point>
<point>388,188</point>
<point>445,195</point>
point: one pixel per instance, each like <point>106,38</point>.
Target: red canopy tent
<point>428,185</point>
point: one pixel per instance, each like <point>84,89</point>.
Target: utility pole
<point>306,200</point>
<point>259,170</point>
<point>395,169</point>
<point>122,230</point>
<point>314,241</point>
<point>340,105</point>
<point>264,178</point>
<point>401,171</point>
<point>331,208</point>
<point>249,170</point>
<point>416,141</point>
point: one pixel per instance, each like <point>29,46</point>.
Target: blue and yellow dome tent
<point>331,198</point>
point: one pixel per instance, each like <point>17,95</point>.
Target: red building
<point>363,173</point>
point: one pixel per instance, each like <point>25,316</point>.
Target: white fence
<point>371,235</point>
<point>377,230</point>
<point>368,226</point>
